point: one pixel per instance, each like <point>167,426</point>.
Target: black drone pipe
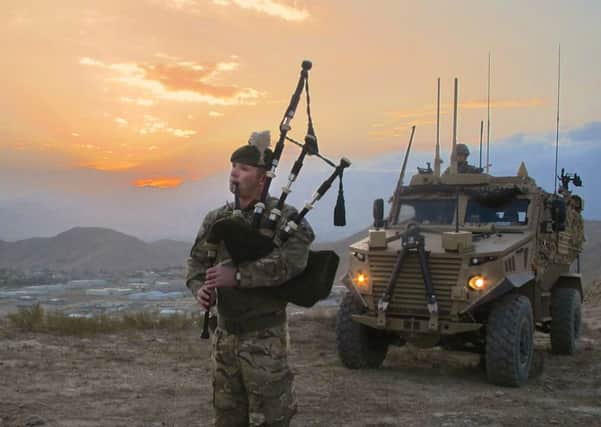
<point>284,128</point>
<point>310,148</point>
<point>325,159</point>
<point>293,224</point>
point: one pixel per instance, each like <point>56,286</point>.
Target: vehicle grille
<point>408,298</point>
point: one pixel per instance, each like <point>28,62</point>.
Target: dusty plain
<point>162,378</point>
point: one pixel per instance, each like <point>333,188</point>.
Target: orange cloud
<point>269,7</point>
<point>161,183</point>
<point>183,81</point>
<point>106,164</point>
<point>503,104</point>
<point>383,131</point>
<point>138,101</point>
<point>154,124</point>
<point>468,105</point>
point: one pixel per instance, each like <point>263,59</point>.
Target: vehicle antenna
<point>488,120</point>
<point>394,211</point>
<point>481,132</point>
<point>457,211</point>
<point>437,156</point>
<point>404,168</point>
<point>453,157</point>
<point>557,128</point>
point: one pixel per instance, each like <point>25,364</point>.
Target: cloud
<point>183,81</point>
<point>143,102</point>
<point>502,104</point>
<point>590,132</point>
<point>121,121</point>
<point>215,114</point>
<point>389,131</point>
<point>160,183</point>
<point>399,122</point>
<point>269,7</point>
<point>180,4</point>
<point>587,133</point>
<point>467,105</point>
<point>109,165</point>
<point>153,125</point>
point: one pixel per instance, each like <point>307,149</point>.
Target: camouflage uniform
<point>252,382</point>
<point>465,167</point>
<point>462,165</point>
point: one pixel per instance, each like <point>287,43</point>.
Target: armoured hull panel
<point>409,293</point>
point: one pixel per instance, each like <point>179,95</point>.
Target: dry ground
<point>163,379</point>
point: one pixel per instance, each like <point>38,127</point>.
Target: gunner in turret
<point>462,152</point>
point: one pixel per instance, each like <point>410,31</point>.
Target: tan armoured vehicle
<point>466,261</point>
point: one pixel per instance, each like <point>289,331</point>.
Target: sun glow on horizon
<point>160,183</point>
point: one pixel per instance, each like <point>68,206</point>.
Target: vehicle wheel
<point>509,341</point>
<point>358,346</point>
<point>566,319</point>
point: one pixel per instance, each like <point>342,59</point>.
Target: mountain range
<point>95,250</point>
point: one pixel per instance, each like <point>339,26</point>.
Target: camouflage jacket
<point>284,262</point>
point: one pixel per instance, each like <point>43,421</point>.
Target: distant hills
<point>91,249</point>
<point>94,249</point>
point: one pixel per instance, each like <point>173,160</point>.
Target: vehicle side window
<point>511,212</point>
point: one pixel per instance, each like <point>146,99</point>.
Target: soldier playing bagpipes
<point>256,271</point>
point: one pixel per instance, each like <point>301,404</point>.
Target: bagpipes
<point>245,242</point>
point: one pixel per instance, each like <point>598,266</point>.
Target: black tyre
<point>509,341</point>
<point>358,346</point>
<point>566,319</point>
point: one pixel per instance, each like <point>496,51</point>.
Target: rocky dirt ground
<point>163,379</point>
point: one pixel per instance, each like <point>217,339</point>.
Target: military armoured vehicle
<point>466,261</point>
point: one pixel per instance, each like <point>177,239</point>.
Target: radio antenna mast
<point>481,132</point>
<point>437,155</point>
<point>557,128</point>
<point>488,120</point>
<point>453,155</point>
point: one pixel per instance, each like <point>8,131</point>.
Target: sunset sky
<point>99,96</point>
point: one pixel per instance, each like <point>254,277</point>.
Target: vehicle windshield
<point>506,212</point>
<point>428,211</point>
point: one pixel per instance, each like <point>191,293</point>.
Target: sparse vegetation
<point>35,319</point>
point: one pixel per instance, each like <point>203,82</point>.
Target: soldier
<point>252,382</point>
<point>462,152</point>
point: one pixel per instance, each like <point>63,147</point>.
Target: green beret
<point>257,152</point>
<point>250,155</point>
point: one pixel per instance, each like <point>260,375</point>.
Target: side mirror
<point>558,214</point>
<point>378,213</point>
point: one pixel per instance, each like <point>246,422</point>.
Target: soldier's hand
<point>205,297</point>
<point>221,276</point>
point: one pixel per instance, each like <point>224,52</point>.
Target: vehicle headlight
<point>361,281</point>
<point>478,282</point>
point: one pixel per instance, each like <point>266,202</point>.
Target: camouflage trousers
<point>252,383</point>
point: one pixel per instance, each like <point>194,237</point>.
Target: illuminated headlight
<point>478,282</point>
<point>361,281</point>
